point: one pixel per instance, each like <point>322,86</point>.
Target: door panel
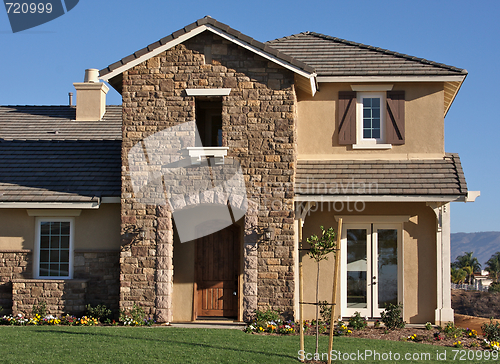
<point>217,273</point>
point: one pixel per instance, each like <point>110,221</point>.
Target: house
<point>191,197</point>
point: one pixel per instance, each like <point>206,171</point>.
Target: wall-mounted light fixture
<point>269,233</point>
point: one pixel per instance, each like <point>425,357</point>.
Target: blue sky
<point>38,66</point>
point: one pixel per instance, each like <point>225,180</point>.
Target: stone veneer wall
<point>14,264</point>
<point>61,296</point>
<point>258,126</point>
<point>101,268</point>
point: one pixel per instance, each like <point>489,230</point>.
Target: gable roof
<point>431,177</point>
<point>79,163</point>
<point>330,56</point>
<point>112,73</point>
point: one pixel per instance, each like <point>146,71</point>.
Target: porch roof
<point>433,177</point>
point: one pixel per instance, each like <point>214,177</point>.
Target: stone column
<point>251,262</point>
<point>164,265</point>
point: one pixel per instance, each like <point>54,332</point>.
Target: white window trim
<point>208,91</point>
<point>36,255</point>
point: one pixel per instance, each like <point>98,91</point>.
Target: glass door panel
<point>387,268</point>
<point>358,295</point>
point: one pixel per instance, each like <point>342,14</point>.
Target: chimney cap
<point>91,75</point>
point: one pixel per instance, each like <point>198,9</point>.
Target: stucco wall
<point>317,137</point>
<point>419,248</point>
<point>94,229</point>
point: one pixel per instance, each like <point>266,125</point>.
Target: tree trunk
<point>317,310</point>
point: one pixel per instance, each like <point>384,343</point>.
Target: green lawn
<point>63,344</point>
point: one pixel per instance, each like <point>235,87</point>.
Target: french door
<point>371,269</point>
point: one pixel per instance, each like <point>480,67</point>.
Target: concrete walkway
<point>210,325</point>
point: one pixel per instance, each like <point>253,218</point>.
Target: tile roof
<point>57,123</point>
<point>331,56</point>
<point>207,21</point>
<point>381,177</point>
<point>79,163</point>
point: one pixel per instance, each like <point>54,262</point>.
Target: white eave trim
<point>260,52</point>
<point>375,219</point>
<point>381,198</point>
<point>195,32</point>
<point>50,205</point>
<point>472,195</point>
<point>365,79</point>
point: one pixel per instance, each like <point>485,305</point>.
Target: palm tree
<point>458,275</point>
<point>468,263</point>
<point>493,266</point>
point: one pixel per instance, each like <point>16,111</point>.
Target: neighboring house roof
<point>381,177</point>
<point>330,56</point>
<point>112,73</point>
<point>46,156</point>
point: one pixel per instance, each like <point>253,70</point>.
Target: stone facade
<point>258,127</point>
<point>102,271</point>
<point>61,296</point>
<point>14,264</point>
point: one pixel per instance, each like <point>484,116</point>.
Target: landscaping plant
<point>491,330</point>
<point>392,317</point>
<point>357,322</point>
<point>99,312</point>
<point>320,247</point>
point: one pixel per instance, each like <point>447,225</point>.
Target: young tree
<point>493,266</point>
<point>320,247</point>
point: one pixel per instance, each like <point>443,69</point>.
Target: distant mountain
<point>483,244</point>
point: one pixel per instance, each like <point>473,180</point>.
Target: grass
<point>64,344</point>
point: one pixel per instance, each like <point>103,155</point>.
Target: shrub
<point>428,326</point>
<point>357,322</point>
<point>494,287</point>
<point>267,315</point>
<point>39,309</point>
<point>491,330</point>
<point>100,312</point>
<point>392,317</point>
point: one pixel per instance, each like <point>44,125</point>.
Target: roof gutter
<point>380,198</point>
<point>51,205</point>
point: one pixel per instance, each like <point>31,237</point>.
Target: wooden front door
<point>217,263</point>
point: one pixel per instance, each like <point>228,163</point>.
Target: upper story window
<point>209,121</point>
<point>370,117</point>
<point>53,248</point>
<point>371,120</point>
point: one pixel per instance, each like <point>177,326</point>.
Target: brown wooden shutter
<point>395,117</point>
<point>347,117</point>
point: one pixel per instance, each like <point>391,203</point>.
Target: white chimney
<point>90,97</point>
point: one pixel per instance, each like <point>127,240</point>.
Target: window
<point>371,120</point>
<point>53,249</point>
<point>209,121</point>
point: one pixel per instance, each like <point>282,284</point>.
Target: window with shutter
<point>371,120</point>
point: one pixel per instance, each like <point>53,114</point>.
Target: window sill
<point>372,146</point>
<point>197,153</point>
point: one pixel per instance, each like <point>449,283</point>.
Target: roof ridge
<point>387,51</point>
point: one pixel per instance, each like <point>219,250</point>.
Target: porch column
<point>444,312</point>
<point>164,265</point>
